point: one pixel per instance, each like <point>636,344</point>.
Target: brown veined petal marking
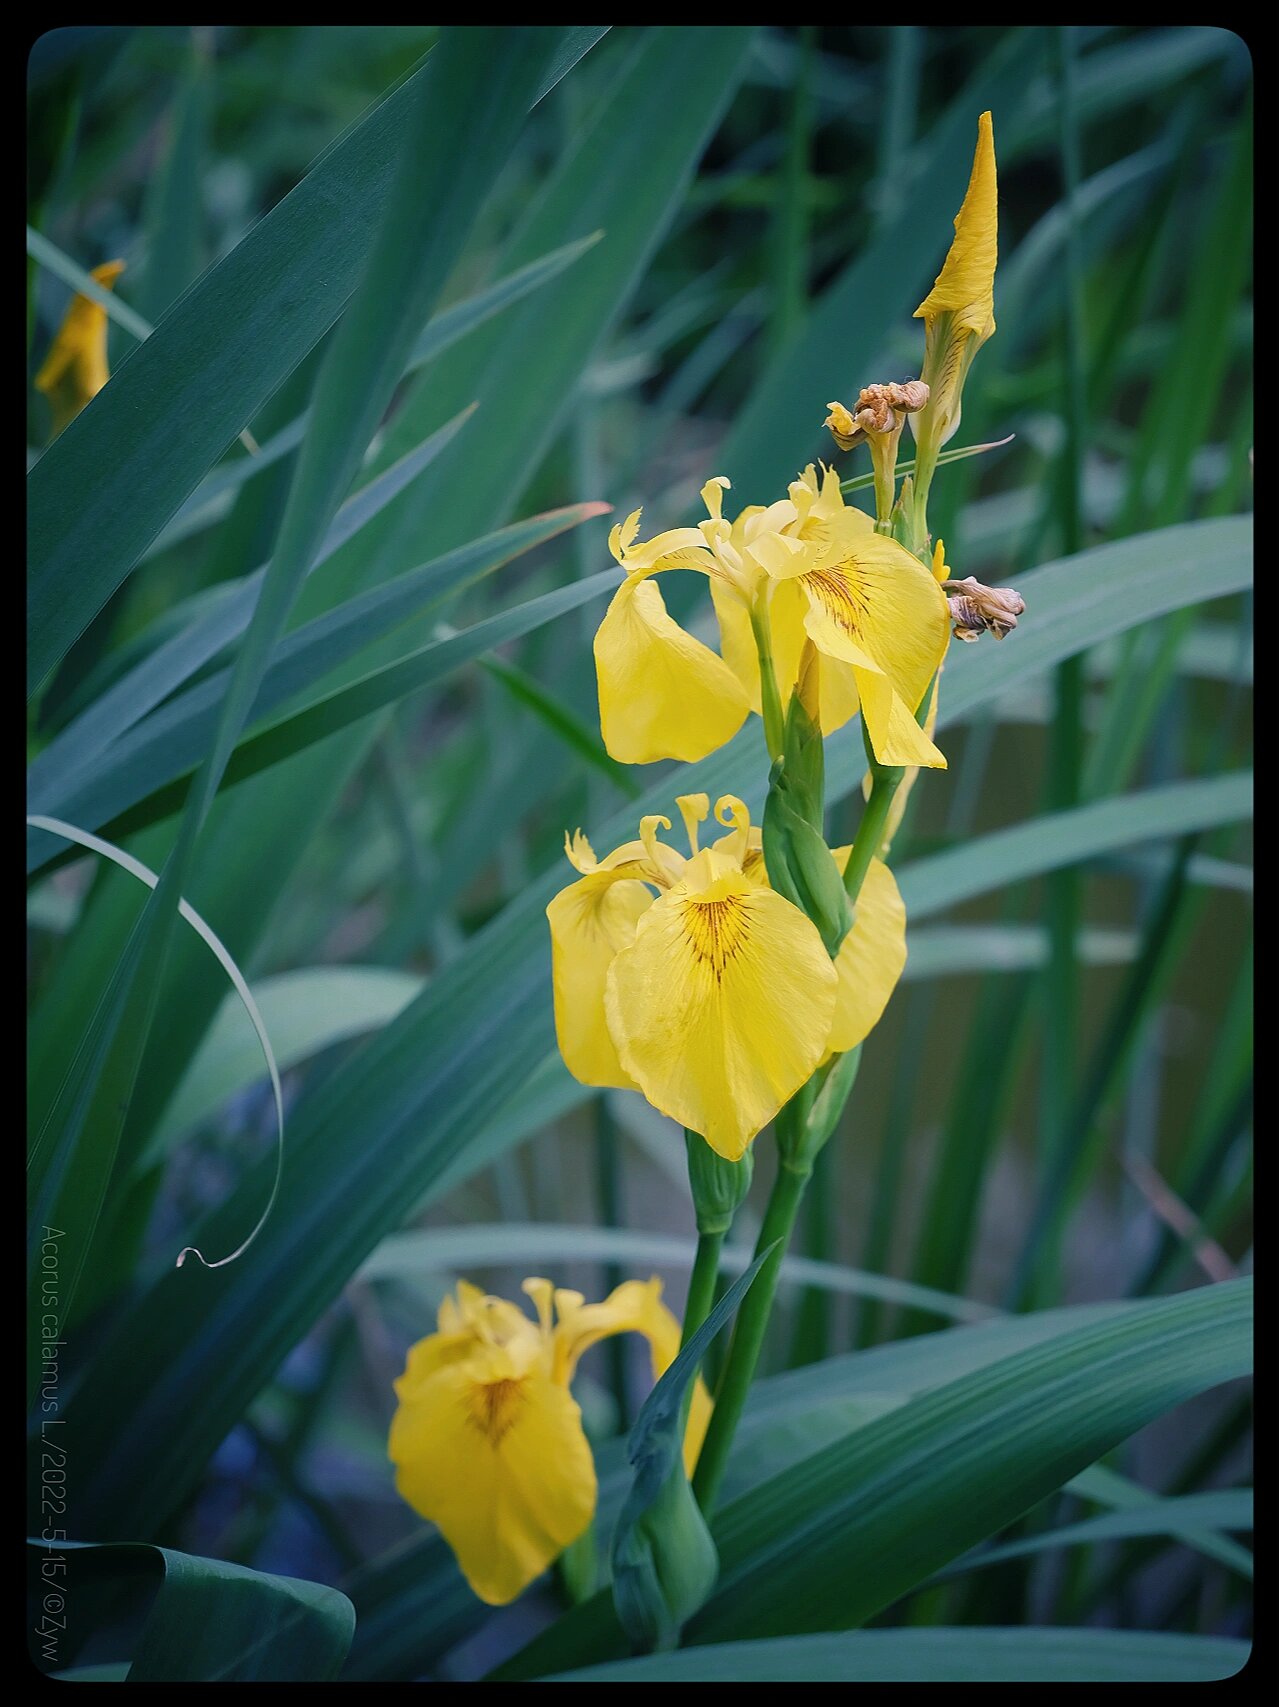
<point>722,1007</point>
<point>874,607</point>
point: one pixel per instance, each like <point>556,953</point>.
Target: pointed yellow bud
<point>958,312</point>
<point>964,286</point>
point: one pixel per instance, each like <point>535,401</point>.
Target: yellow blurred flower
<point>692,981</point>
<point>487,1439</point>
<point>75,369</point>
<point>808,565</point>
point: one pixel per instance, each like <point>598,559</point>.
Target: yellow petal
<point>820,504</point>
<point>678,548</point>
<point>964,287</point>
<point>722,1006</point>
<point>649,860</point>
<point>663,694</point>
<point>777,554</point>
<point>713,495</point>
<point>871,957</point>
<point>874,606</point>
<point>480,1318</point>
<point>837,686</point>
<point>634,1307</point>
<point>738,643</point>
<point>494,1454</point>
<point>429,1356</point>
<point>752,861</point>
<point>75,369</point>
<point>621,534</point>
<point>902,793</point>
<point>693,809</point>
<point>788,605</point>
<point>896,737</point>
<point>591,920</point>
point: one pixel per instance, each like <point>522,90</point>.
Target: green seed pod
<point>800,865</point>
<point>718,1185</point>
<point>664,1567</point>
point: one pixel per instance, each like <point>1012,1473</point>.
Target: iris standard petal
<point>495,1456</point>
<point>871,957</point>
<point>663,694</point>
<point>722,1006</point>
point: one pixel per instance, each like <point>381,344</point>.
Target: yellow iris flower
<point>809,566</point>
<point>75,369</point>
<point>959,312</point>
<point>487,1439</point>
<point>715,996</point>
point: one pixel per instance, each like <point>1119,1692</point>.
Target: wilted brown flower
<point>976,609</point>
<point>879,409</point>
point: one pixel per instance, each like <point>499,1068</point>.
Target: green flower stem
<point>717,1187</point>
<point>802,1127</point>
<point>871,826</point>
<point>702,1283</point>
<point>770,703</point>
<point>884,463</point>
<point>748,1334</point>
<point>925,465</point>
<point>702,1295</point>
<point>884,785</point>
<point>859,482</point>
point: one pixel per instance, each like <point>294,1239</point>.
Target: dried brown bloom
<point>976,609</point>
<point>879,409</point>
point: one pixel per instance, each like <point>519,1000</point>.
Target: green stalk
<point>871,826</point>
<point>700,1300</point>
<point>860,482</point>
<point>800,1136</point>
<point>608,1199</point>
<point>884,785</point>
<point>811,1335</point>
<point>702,1284</point>
<point>748,1334</point>
<point>771,704</point>
<point>718,1188</point>
<point>884,463</point>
